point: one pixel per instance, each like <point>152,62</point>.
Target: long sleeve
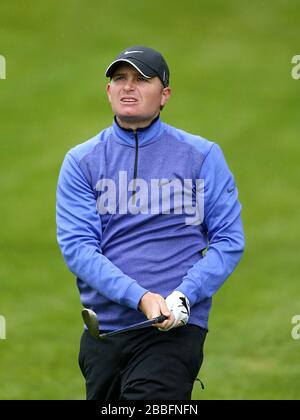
<point>79,233</point>
<point>222,222</point>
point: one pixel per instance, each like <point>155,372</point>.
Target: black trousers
<point>147,364</point>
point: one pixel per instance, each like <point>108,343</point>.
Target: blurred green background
<point>231,68</point>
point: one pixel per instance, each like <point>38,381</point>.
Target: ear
<point>166,93</point>
<point>108,92</point>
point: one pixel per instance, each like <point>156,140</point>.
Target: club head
<point>91,321</point>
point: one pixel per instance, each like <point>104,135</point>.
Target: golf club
<point>91,321</point>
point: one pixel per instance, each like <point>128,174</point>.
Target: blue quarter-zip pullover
<point>119,255</point>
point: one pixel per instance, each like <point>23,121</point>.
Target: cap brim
<point>142,68</point>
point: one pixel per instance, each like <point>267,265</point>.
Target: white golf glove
<point>179,304</point>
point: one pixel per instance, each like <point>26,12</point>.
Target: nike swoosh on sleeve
<point>229,190</point>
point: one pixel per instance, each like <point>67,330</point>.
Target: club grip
<point>160,319</point>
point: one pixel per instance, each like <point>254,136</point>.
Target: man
<point>137,206</point>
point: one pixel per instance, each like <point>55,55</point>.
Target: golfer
<point>148,220</point>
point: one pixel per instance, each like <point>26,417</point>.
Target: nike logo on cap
<point>132,52</point>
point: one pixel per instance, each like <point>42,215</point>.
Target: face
<point>135,100</point>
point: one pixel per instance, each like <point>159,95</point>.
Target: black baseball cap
<point>148,62</point>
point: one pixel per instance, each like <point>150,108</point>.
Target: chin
<point>130,117</point>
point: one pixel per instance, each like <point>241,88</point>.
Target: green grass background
<point>231,68</point>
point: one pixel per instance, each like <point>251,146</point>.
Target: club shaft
<point>143,324</point>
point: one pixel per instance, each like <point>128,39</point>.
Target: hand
<point>153,305</point>
<point>179,305</point>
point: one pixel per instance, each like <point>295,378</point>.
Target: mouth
<point>128,100</point>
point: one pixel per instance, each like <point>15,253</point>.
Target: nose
<point>129,85</point>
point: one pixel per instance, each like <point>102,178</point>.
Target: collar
<point>145,135</point>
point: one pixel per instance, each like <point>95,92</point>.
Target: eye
<point>142,79</point>
<point>116,78</point>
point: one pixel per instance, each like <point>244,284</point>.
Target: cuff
<point>133,295</point>
<point>191,290</point>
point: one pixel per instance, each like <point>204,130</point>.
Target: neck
<point>134,125</point>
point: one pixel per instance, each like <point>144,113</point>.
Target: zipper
<point>135,165</point>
